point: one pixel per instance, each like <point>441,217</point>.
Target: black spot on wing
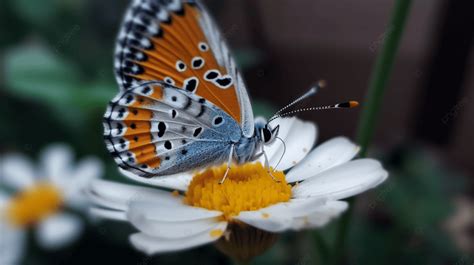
<point>119,128</point>
<point>211,75</point>
<point>161,129</point>
<point>146,90</point>
<point>129,99</point>
<point>217,121</point>
<point>122,143</point>
<point>224,82</point>
<point>169,80</point>
<point>180,66</point>
<point>197,63</point>
<point>201,111</point>
<point>168,145</point>
<point>197,131</point>
<point>188,104</point>
<point>121,113</point>
<point>203,47</point>
<point>191,84</point>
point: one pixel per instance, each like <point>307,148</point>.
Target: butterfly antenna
<point>313,90</point>
<point>344,105</point>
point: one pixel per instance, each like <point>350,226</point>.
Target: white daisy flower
<point>12,238</point>
<point>39,195</point>
<point>243,215</point>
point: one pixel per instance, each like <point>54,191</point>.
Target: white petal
<point>279,217</point>
<point>299,140</point>
<point>329,154</point>
<point>4,198</point>
<point>59,231</point>
<point>276,223</point>
<point>178,181</point>
<point>12,244</point>
<point>56,160</point>
<point>343,181</point>
<point>86,170</point>
<point>117,215</point>
<point>118,196</point>
<point>285,128</point>
<point>297,207</point>
<point>152,245</point>
<point>298,143</point>
<point>16,171</point>
<point>181,226</point>
<point>156,211</point>
<point>320,216</point>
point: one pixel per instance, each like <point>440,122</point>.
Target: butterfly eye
<point>266,135</point>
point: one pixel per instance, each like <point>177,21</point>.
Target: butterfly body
<point>155,129</point>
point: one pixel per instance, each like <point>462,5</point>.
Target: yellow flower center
<point>248,187</point>
<point>33,204</point>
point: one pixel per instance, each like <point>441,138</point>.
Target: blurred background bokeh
<point>56,79</point>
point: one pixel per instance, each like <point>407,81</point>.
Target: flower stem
<point>323,248</point>
<point>381,74</point>
<point>377,85</point>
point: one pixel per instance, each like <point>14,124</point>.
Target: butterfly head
<point>264,132</point>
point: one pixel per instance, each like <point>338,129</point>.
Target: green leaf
<point>37,73</point>
<point>94,95</point>
<point>35,12</point>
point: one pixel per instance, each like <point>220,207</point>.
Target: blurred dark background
<point>303,41</point>
<point>56,78</point>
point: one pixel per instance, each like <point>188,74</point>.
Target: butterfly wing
<point>176,41</point>
<point>155,129</point>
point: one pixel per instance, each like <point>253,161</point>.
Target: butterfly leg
<point>257,156</point>
<point>267,166</point>
<point>229,162</point>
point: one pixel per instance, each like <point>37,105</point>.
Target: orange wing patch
<point>179,54</point>
<point>138,127</point>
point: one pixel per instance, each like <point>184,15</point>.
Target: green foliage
<point>35,12</point>
<point>38,74</point>
<point>405,217</point>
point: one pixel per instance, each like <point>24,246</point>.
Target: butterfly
<point>183,104</point>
